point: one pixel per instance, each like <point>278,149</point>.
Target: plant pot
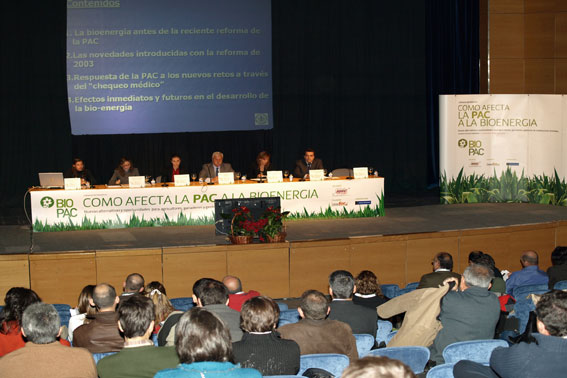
<point>241,239</point>
<point>279,238</point>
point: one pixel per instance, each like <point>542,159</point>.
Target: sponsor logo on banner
<point>475,164</point>
<point>340,192</point>
<point>47,202</point>
<point>339,203</point>
<point>462,143</point>
<point>515,164</point>
<point>362,202</point>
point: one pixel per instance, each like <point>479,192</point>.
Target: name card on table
<point>226,177</point>
<point>316,175</point>
<point>275,176</point>
<point>182,180</point>
<point>360,172</point>
<point>72,183</point>
<point>137,182</point>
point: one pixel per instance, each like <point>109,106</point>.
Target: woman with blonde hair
<point>163,307</point>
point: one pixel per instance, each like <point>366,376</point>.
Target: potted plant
<point>273,229</point>
<point>242,228</point>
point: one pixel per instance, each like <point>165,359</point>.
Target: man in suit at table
<point>211,170</point>
<point>302,167</point>
<point>442,269</point>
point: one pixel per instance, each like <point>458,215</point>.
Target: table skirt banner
<point>503,148</point>
<point>99,208</point>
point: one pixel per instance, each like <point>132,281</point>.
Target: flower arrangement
<point>244,227</point>
<point>274,223</point>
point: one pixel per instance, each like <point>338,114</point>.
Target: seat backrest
<point>415,357</point>
<point>390,336</point>
<point>283,376</point>
<point>384,329</point>
<point>364,342</point>
<point>520,293</point>
<point>182,304</point>
<point>522,312</point>
<point>288,317</point>
<point>441,371</point>
<point>99,356</point>
<point>390,290</point>
<point>339,172</point>
<point>474,350</point>
<point>332,362</point>
<point>282,306</point>
<point>64,313</point>
<point>561,285</point>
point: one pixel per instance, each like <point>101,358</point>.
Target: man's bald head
<point>134,283</point>
<point>104,297</point>
<point>530,258</point>
<point>233,284</point>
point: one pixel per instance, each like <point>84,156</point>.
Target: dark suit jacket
<point>435,279</point>
<point>556,273</point>
<point>208,170</point>
<point>84,174</point>
<point>465,315</point>
<point>167,172</point>
<point>361,319</point>
<point>301,168</point>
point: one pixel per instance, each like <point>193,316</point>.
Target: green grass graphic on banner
<point>507,187</point>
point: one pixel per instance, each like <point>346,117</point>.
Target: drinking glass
<point>193,177</point>
<point>370,170</point>
<point>237,175</point>
<point>324,172</point>
<point>286,173</point>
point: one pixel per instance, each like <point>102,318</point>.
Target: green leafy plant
<point>274,222</point>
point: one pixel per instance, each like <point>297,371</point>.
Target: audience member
<point>479,257</point>
<point>361,319</point>
<point>162,306</point>
<point>261,347</point>
<point>211,170</point>
<point>134,284</point>
<point>213,295</point>
<point>442,269</point>
<point>139,357</point>
<point>316,334</point>
<point>16,301</point>
<point>368,292</point>
<point>309,162</point>
<point>84,312</point>
<point>43,355</point>
<point>558,269</point>
<point>202,342</point>
<point>101,335</point>
<point>372,367</point>
<point>236,295</point>
<point>529,275</point>
<point>545,357</point>
<point>470,313</point>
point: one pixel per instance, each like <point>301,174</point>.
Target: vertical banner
<point>503,148</point>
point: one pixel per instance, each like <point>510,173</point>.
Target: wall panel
<point>14,271</point>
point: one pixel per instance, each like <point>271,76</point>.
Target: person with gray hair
<point>211,170</point>
<point>468,312</point>
<point>43,355</point>
<point>529,275</point>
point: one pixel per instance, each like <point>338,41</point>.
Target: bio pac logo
<point>462,143</point>
<point>63,206</point>
<point>47,202</point>
<point>475,146</point>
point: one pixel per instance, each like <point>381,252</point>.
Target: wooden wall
<point>278,270</point>
<point>527,46</point>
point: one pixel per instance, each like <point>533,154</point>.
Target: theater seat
<point>99,356</point>
<point>332,362</point>
<point>64,313</point>
<point>415,357</point>
<point>561,285</point>
<point>473,350</point>
<point>441,371</point>
<point>390,290</point>
<point>182,304</point>
<point>288,317</point>
<point>282,306</point>
<point>364,342</point>
<point>521,293</point>
<point>384,329</point>
<point>409,287</point>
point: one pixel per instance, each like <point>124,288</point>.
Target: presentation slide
<point>163,66</point>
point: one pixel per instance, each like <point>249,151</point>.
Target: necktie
<point>308,166</point>
<point>217,175</point>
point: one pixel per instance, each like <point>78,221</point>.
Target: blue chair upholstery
<point>522,312</point>
<point>474,350</point>
<point>561,285</point>
<point>64,313</point>
<point>332,362</point>
<point>415,357</point>
<point>283,376</point>
<point>99,356</point>
<point>282,306</point>
<point>390,290</point>
<point>409,287</point>
<point>364,342</point>
<point>441,371</point>
<point>520,293</point>
<point>384,329</point>
<point>288,317</point>
<point>390,336</point>
<point>182,304</point>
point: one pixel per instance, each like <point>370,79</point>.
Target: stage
<point>398,247</point>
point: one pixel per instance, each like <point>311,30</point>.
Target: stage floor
<point>18,239</point>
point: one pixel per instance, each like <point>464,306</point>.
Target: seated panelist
<point>261,166</point>
<point>124,170</point>
<point>211,170</point>
<point>309,161</point>
<point>173,168</point>
<point>78,170</point>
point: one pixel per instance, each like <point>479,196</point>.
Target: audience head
<point>383,367</point>
<point>136,317</point>
<point>259,314</point>
<point>125,165</point>
<point>134,283</point>
<point>551,311</point>
<point>84,302</point>
<point>211,292</point>
<point>17,299</point>
<point>367,283</point>
<point>200,336</point>
<point>41,323</point>
<point>443,260</point>
<point>477,275</point>
<point>559,256</point>
<point>162,305</point>
<point>529,258</point>
<point>233,284</point>
<point>314,305</point>
<point>309,155</point>
<point>341,284</point>
<point>217,158</point>
<point>104,297</point>
<point>78,164</point>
